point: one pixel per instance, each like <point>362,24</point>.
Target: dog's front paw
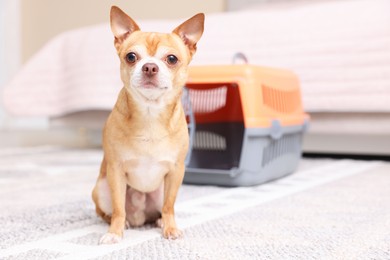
<point>172,233</point>
<point>109,239</point>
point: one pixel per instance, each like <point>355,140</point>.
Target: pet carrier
<point>249,123</point>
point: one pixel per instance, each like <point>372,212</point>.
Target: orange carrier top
<point>245,93</point>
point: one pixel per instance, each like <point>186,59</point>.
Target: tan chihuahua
<point>145,138</point>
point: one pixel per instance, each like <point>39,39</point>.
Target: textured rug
<point>327,209</point>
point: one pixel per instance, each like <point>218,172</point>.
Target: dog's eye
<point>171,59</point>
<point>131,57</point>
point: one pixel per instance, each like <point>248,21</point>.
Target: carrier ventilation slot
<point>208,100</point>
<point>209,141</point>
<point>286,145</point>
<point>280,100</point>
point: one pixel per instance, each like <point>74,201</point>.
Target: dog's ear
<point>190,31</point>
<point>121,25</point>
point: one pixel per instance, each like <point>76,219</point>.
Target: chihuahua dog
<point>145,138</point>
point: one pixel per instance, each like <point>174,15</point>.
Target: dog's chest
<point>147,162</point>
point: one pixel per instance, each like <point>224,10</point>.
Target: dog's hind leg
<point>101,195</point>
<point>116,183</point>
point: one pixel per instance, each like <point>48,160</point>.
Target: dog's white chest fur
<point>146,167</point>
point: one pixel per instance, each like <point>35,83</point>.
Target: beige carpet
<point>326,210</point>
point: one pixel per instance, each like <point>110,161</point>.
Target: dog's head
<point>154,65</point>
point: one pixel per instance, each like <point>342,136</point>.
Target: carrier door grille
<point>209,141</point>
<point>285,145</point>
<point>208,100</point>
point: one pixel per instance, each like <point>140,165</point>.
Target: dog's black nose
<point>150,69</point>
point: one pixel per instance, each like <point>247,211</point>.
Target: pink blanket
<point>339,49</point>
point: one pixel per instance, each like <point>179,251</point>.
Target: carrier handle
<point>240,56</point>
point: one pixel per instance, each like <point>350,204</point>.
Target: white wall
<point>10,55</point>
<point>44,19</point>
<point>240,4</point>
<point>11,61</point>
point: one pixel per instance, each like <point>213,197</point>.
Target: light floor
<point>327,209</point>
